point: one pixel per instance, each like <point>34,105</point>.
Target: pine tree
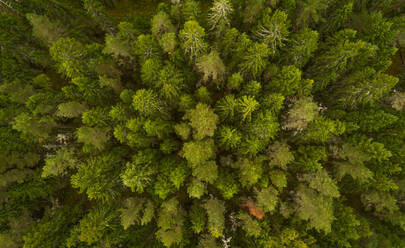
<point>219,16</point>
<point>273,29</point>
<point>45,30</point>
<point>212,67</point>
<point>203,120</point>
<point>216,221</point>
<point>192,37</point>
<point>254,61</point>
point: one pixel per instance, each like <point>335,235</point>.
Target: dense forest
<point>202,123</point>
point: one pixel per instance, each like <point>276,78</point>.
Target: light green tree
<point>254,61</point>
<point>212,67</point>
<point>63,160</point>
<point>314,208</point>
<point>170,222</point>
<point>219,16</point>
<point>192,39</point>
<point>71,109</point>
<point>71,57</point>
<point>138,173</point>
<point>203,120</point>
<point>227,107</point>
<point>267,199</point>
<point>247,105</point>
<point>46,30</point>
<point>280,155</point>
<point>303,111</point>
<point>216,220</point>
<point>249,225</point>
<point>198,152</point>
<point>161,24</point>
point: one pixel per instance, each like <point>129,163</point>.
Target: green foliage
<point>203,95</point>
<point>170,223</point>
<point>98,177</point>
<point>224,123</point>
<point>264,127</point>
<point>267,199</point>
<point>249,171</point>
<point>131,213</point>
<point>353,163</point>
<point>246,106</point>
<point>301,48</point>
<point>94,136</point>
<point>53,229</point>
<point>211,66</point>
<point>57,165</point>
<point>229,138</point>
<point>301,113</point>
<point>255,60</point>
<point>207,172</point>
<point>207,241</point>
<point>168,42</point>
<point>371,120</point>
<point>314,208</point>
<point>287,81</point>
<point>382,202</point>
<point>364,87</point>
<point>71,109</point>
<point>322,129</point>
<point>321,182</point>
<point>138,173</point>
<point>346,227</point>
<point>192,39</point>
<point>273,29</point>
<point>309,158</point>
<point>203,120</point>
<point>191,10</point>
<point>197,218</point>
<point>183,130</point>
<point>280,155</point>
<point>279,179</point>
<point>146,102</point>
<point>31,125</point>
<point>340,53</point>
<point>311,11</point>
<point>146,47</point>
<point>249,225</point>
<point>149,69</point>
<point>121,45</point>
<point>235,81</point>
<point>95,225</point>
<point>46,30</point>
<point>216,221</point>
<point>227,185</point>
<point>97,11</point>
<point>339,17</point>
<point>227,107</point>
<point>198,152</point>
<point>161,24</point>
<point>196,188</point>
<point>71,57</point>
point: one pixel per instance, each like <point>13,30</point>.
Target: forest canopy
<point>202,123</point>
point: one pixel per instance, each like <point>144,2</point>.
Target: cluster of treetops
<point>220,123</point>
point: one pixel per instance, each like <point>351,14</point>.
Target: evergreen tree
<point>243,123</point>
<point>192,38</point>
